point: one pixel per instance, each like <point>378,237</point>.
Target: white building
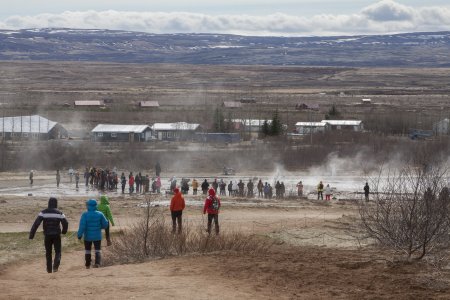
<point>354,125</point>
<point>311,127</point>
<point>175,131</point>
<point>121,133</point>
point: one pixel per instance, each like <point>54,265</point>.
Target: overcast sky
<point>249,17</point>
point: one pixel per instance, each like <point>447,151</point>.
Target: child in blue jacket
<point>91,224</point>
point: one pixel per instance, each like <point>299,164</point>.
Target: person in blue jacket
<point>91,224</point>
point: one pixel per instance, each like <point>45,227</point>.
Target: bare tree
<point>410,211</point>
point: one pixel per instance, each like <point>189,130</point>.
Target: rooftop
<point>30,124</point>
<point>174,126</point>
<point>343,122</point>
<point>89,103</point>
<point>311,124</point>
<point>149,104</point>
<point>120,128</point>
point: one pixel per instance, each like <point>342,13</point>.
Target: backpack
<point>214,203</point>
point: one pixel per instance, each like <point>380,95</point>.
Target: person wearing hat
<point>177,205</point>
<point>53,219</point>
<point>91,224</point>
<point>212,206</point>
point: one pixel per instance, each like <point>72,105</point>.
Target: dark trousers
<point>214,217</point>
<point>51,241</point>
<point>176,218</point>
<point>320,195</point>
<point>88,249</point>
<point>107,233</point>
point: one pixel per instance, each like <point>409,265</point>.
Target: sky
<point>247,17</point>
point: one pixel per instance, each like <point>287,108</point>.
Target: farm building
<point>232,104</point>
<point>89,103</point>
<point>250,125</point>
<point>366,101</point>
<point>121,133</point>
<point>149,104</point>
<point>175,131</point>
<point>354,125</point>
<point>442,127</point>
<point>31,127</point>
<point>311,127</point>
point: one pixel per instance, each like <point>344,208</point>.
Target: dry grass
<point>154,239</point>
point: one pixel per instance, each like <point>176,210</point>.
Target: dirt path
<point>176,278</point>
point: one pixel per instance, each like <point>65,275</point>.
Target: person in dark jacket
<point>53,219</point>
<point>31,177</point>
<point>58,178</point>
<point>205,186</point>
<point>91,224</point>
<point>366,191</point>
<point>157,169</point>
<point>87,174</point>
<point>123,181</point>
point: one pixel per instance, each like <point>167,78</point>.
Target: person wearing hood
<point>91,224</point>
<point>205,186</point>
<point>177,205</point>
<point>328,193</point>
<point>104,208</point>
<point>212,206</point>
<point>53,219</point>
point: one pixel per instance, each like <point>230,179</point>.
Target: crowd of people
<point>110,180</point>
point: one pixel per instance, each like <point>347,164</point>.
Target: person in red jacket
<point>212,206</point>
<point>177,205</point>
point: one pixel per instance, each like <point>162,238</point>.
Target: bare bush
<point>151,238</point>
<point>410,211</point>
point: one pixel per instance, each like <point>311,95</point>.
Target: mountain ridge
<point>421,49</point>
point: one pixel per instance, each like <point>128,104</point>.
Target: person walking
<point>320,191</point>
<point>53,220</point>
<point>300,189</point>
<point>230,188</point>
<point>212,206</point>
<point>328,193</point>
<point>222,187</point>
<point>105,209</point>
<point>177,205</point>
<point>91,224</point>
<point>366,191</point>
<point>58,178</point>
<point>71,172</point>
<point>194,186</point>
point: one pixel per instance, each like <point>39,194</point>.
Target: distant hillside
<point>400,50</point>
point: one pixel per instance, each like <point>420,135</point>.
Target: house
<point>442,127</point>
<point>31,127</point>
<point>353,125</point>
<point>232,104</point>
<point>149,104</point>
<point>89,103</point>
<point>175,131</point>
<point>121,133</point>
<point>250,125</point>
<point>311,127</point>
<point>366,101</point>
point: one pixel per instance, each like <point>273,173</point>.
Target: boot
<point>98,258</point>
<point>108,242</point>
<point>87,257</point>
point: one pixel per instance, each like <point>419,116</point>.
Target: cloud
<point>386,16</point>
